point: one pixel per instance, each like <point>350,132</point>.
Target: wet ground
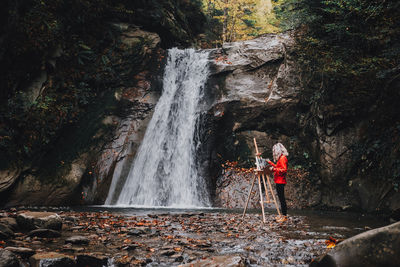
<point>163,237</point>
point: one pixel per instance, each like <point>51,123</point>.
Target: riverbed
<point>172,237</point>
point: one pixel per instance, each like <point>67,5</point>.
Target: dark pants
<point>280,189</point>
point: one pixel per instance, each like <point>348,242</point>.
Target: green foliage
<point>350,55</point>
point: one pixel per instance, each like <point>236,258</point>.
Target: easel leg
<point>266,190</point>
<point>273,195</point>
<point>261,197</point>
<point>248,198</point>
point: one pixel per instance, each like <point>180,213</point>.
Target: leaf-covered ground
<point>175,238</point>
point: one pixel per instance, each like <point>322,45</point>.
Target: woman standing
<point>280,154</point>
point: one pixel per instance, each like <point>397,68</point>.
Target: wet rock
<point>8,177</point>
<point>91,260</point>
<point>139,231</point>
<point>35,220</point>
<point>378,247</point>
<point>10,222</point>
<point>71,219</point>
<point>5,232</point>
<point>177,258</point>
<point>130,247</point>
<point>167,253</point>
<point>228,261</point>
<point>51,259</point>
<point>8,259</point>
<point>46,233</point>
<point>21,251</point>
<point>77,240</point>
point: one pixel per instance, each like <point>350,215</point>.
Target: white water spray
<point>164,172</point>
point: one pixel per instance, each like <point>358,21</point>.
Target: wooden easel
<point>268,190</point>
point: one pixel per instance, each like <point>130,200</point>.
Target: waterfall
<point>164,172</point>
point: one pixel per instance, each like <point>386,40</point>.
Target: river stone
<point>139,231</point>
<point>8,259</point>
<point>227,261</point>
<point>377,247</point>
<point>35,220</point>
<point>77,240</point>
<point>51,259</point>
<point>48,233</point>
<point>23,252</point>
<point>91,260</point>
<point>5,231</point>
<point>11,222</point>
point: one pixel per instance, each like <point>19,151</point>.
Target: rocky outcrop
<point>378,247</point>
<point>255,88</point>
<point>119,128</point>
<point>256,91</point>
<point>31,190</point>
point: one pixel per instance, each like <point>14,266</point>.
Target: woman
<point>280,154</point>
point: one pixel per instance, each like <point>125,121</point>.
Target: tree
<point>240,19</point>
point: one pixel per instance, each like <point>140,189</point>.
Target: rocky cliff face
<point>115,134</point>
<point>77,94</point>
<point>256,90</point>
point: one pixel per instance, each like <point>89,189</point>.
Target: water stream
<point>164,172</point>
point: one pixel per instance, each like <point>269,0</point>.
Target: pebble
<point>77,240</point>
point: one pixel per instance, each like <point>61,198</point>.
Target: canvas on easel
<point>262,172</point>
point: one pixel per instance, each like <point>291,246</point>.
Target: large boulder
<point>44,220</point>
<point>33,191</point>
<point>8,259</point>
<point>378,247</point>
<point>21,251</point>
<point>51,259</point>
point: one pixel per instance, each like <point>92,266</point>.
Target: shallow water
<point>171,237</point>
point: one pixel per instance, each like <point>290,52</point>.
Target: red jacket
<point>280,169</point>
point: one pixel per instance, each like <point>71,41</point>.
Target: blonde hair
<point>277,150</point>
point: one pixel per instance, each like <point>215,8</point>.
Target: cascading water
<point>164,172</point>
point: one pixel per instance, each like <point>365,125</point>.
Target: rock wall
<point>116,130</point>
<point>256,90</point>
